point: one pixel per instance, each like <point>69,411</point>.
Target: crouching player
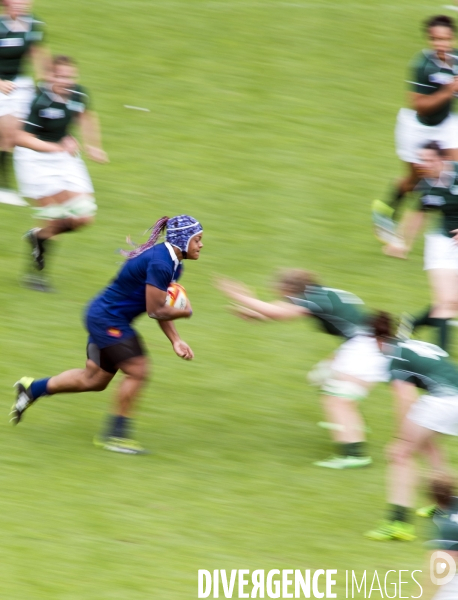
<point>356,366</point>
<point>48,167</point>
<point>414,364</point>
<point>140,286</point>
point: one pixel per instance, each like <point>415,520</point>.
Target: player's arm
<point>180,347</point>
<point>425,104</point>
<point>157,308</point>
<point>276,311</point>
<point>90,133</point>
<point>28,140</point>
<point>41,60</point>
<point>411,224</point>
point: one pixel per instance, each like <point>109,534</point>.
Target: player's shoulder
<point>342,296</point>
<point>80,91</point>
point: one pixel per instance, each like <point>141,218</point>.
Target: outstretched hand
<point>182,350</point>
<point>233,289</point>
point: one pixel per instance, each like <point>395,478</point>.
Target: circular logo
<point>442,568</point>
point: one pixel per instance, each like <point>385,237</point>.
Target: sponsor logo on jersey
<point>113,332</point>
<point>441,78</point>
<point>11,42</point>
<point>75,106</point>
<point>431,200</point>
<point>52,113</point>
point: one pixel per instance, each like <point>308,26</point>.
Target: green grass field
<point>272,122</point>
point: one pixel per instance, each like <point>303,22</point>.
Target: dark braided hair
<point>157,229</point>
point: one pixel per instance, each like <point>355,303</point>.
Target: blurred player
<point>21,35</point>
<point>356,366</point>
<point>415,364</point>
<point>48,167</point>
<point>433,87</point>
<point>140,286</point>
<point>440,197</point>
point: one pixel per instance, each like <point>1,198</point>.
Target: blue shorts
<point>105,330</point>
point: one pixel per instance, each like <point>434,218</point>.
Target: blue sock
<point>38,388</point>
<point>118,426</point>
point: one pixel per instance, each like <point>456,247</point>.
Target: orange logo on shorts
<point>114,332</point>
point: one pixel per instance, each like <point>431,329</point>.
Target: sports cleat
<point>426,512</point>
<point>23,399</point>
<point>392,530</point>
<point>121,445</point>
<point>344,462</point>
<point>38,249</point>
<point>37,282</point>
<point>385,227</point>
<point>405,327</point>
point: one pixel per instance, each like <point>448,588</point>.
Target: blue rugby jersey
<point>125,297</point>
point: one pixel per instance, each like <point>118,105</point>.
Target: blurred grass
<point>271,122</point>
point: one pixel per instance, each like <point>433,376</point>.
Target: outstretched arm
<point>180,347</point>
<point>277,311</point>
<point>90,132</point>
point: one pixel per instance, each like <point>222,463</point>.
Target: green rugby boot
<point>121,445</point>
<point>426,512</point>
<point>392,530</point>
<point>23,399</point>
<point>344,462</point>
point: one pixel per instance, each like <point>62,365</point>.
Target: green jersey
<point>429,74</point>
<point>424,365</point>
<point>339,312</point>
<point>51,116</point>
<point>15,45</point>
<point>444,530</point>
<point>442,195</point>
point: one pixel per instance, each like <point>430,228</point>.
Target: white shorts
<point>42,174</point>
<point>361,358</point>
<point>411,135</point>
<point>440,252</point>
<point>436,414</point>
<point>18,102</point>
<point>449,591</point>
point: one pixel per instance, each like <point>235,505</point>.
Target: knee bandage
<point>82,205</point>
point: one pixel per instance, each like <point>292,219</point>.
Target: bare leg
<point>136,373</point>
<point>444,283</point>
<point>347,418</point>
<point>54,227</point>
<point>90,379</point>
<point>9,124</point>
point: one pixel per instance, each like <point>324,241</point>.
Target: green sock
<point>443,329</point>
<point>356,449</point>
<point>423,318</point>
<point>395,198</point>
<point>398,513</point>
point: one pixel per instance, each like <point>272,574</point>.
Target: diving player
<point>414,364</point>
<point>48,167</point>
<point>433,83</point>
<point>356,366</point>
<point>140,286</point>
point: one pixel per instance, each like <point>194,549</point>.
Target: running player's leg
<point>444,284</point>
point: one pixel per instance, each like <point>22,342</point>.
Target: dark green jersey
<point>444,529</point>
<point>429,74</point>
<point>442,195</point>
<point>51,116</point>
<point>14,45</point>
<point>425,365</point>
<point>339,312</point>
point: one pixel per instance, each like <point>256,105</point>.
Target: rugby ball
<point>176,296</point>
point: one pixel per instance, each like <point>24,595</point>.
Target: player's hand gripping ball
<point>176,296</point>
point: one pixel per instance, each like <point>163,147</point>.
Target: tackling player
<point>356,366</point>
<point>140,286</point>
<point>433,84</point>
<point>48,167</point>
<point>414,364</point>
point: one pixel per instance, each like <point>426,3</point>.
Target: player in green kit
<point>433,85</point>
<point>355,368</point>
<point>440,199</point>
<point>21,36</point>
<point>416,365</point>
<point>48,167</point>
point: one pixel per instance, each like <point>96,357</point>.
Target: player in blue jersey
<point>113,344</point>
